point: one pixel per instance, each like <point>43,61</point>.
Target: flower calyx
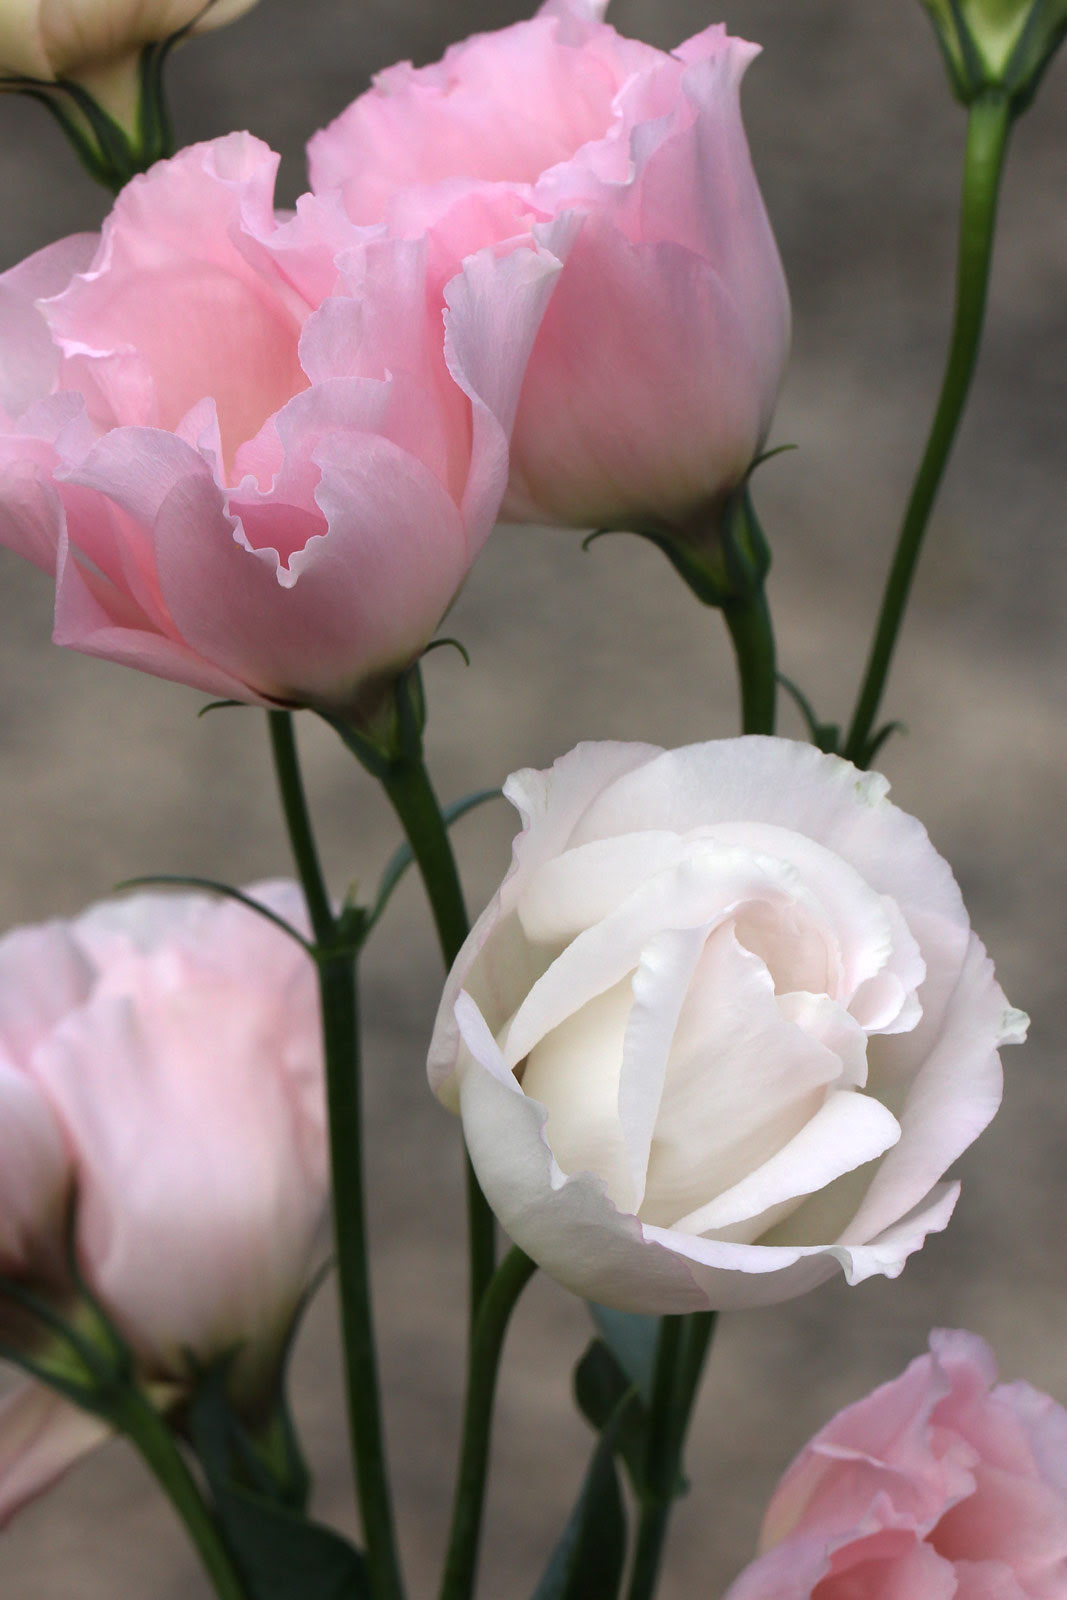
<point>998,45</point>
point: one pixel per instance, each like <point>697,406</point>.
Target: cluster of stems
<point>337,938</point>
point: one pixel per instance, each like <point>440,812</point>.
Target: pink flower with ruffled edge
<point>259,454</point>
<point>161,1058</point>
<point>651,384</point>
<point>938,1486</point>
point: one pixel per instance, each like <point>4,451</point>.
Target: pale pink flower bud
<point>97,43</point>
<point>651,384</point>
<point>160,1058</point>
<point>942,1483</point>
<point>259,453</point>
<point>723,1029</point>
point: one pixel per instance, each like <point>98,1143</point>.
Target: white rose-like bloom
<point>724,1027</point>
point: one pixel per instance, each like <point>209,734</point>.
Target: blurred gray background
<point>105,774</point>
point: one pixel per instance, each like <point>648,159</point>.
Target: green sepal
<point>998,45</point>
<point>825,736</point>
<point>633,1340</point>
<point>877,740</point>
<point>725,562</point>
<point>389,734</point>
<point>590,1556</point>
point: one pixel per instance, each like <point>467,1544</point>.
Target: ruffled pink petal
<point>41,1437</point>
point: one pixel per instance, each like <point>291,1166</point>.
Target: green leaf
<point>402,858</point>
<point>588,1561</point>
<point>284,1557</point>
<point>633,1340</point>
<point>826,736</point>
<point>600,1388</point>
<point>259,1486</point>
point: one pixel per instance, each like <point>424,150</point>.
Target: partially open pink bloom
<point>259,454</point>
<point>938,1486</point>
<point>651,384</point>
<point>160,1059</point>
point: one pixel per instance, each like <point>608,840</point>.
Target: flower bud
<point>161,1063</point>
<point>103,58</point>
<point>998,43</point>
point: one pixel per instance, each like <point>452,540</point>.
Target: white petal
<point>848,1130</point>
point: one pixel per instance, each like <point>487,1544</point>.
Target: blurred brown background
<point>105,774</point>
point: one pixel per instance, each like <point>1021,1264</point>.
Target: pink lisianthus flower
<point>942,1485</point>
<point>259,453</point>
<point>160,1061</point>
<point>651,384</point>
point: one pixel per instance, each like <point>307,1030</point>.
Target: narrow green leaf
<point>258,1495</point>
<point>284,1557</point>
<point>600,1388</point>
<point>402,858</point>
<point>588,1561</point>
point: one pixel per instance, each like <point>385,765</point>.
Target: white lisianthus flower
<point>723,1029</point>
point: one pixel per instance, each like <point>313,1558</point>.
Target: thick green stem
<point>749,622</point>
<point>487,1341</point>
<point>144,1427</point>
<point>340,1023</point>
<point>409,789</point>
<point>682,1350</point>
<point>988,126</point>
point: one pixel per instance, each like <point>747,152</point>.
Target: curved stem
<point>135,1417</point>
<point>336,963</point>
<point>749,622</point>
<point>408,787</point>
<point>498,1302</point>
<point>680,1355</point>
<point>988,126</point>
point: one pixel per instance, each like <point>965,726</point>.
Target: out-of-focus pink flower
<point>651,384</point>
<point>938,1486</point>
<point>161,1059</point>
<point>259,454</point>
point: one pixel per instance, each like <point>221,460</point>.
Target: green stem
<point>340,1024</point>
<point>988,126</point>
<point>135,1417</point>
<point>298,823</point>
<point>749,622</point>
<point>407,783</point>
<point>498,1302</point>
<point>680,1355</point>
<point>408,786</point>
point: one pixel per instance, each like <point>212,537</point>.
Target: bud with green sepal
<point>98,68</point>
<point>998,44</point>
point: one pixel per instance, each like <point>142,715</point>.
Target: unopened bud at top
<point>98,48</point>
<point>1004,44</point>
